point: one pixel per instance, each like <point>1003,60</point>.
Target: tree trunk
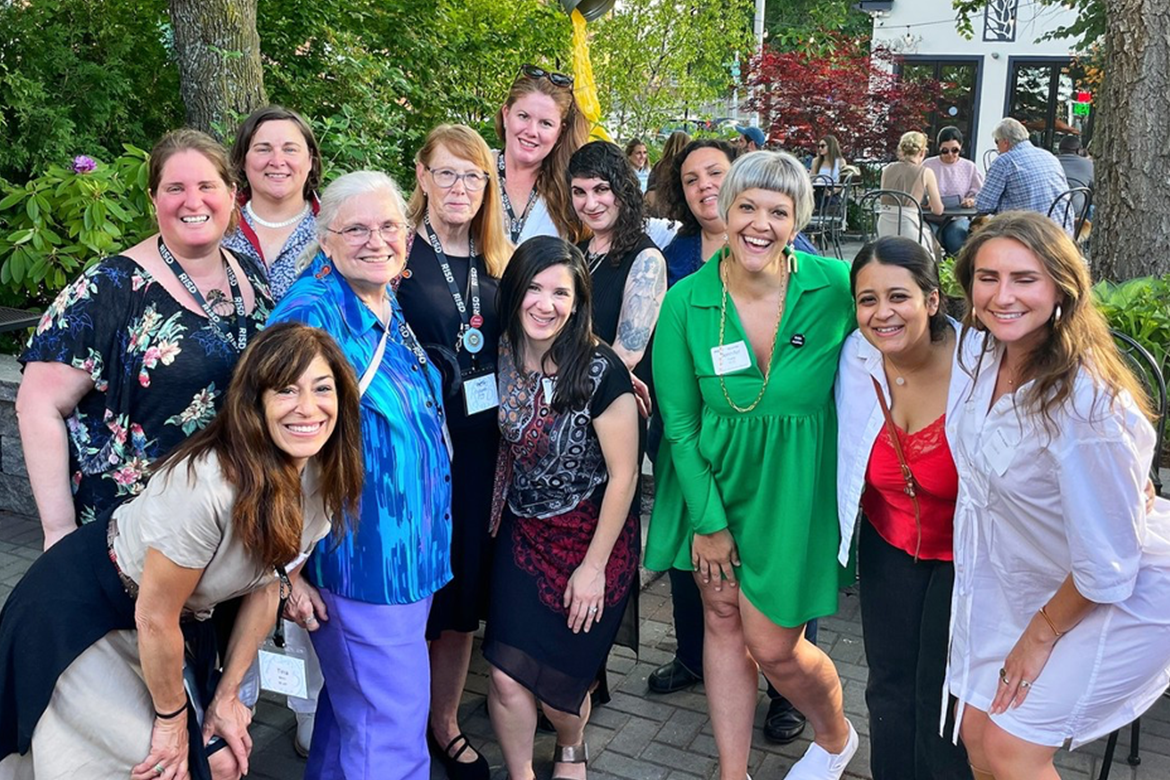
<point>1131,235</point>
<point>218,50</point>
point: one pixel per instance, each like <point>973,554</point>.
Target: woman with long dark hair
<point>92,639</point>
<point>566,558</point>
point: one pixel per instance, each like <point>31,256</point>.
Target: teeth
<point>891,329</point>
<point>305,428</point>
<point>194,220</point>
<point>760,242</point>
<point>1012,315</point>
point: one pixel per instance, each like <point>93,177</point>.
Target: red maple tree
<point>853,92</point>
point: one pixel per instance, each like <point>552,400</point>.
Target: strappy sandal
<point>571,754</point>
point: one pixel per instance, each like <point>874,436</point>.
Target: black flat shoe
<point>456,769</point>
<point>783,723</point>
<point>672,677</point>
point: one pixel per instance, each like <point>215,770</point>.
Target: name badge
<point>281,672</point>
<point>730,358</point>
<point>999,452</point>
<point>480,394</point>
<point>549,386</point>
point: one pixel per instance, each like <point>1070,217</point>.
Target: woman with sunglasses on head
<point>1061,624</point>
<point>959,180</point>
<point>904,350</point>
<point>746,354</point>
<point>278,164</point>
<point>448,294</point>
<point>566,560</point>
<point>540,125</point>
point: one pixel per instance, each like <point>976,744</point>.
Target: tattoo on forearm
<point>645,289</point>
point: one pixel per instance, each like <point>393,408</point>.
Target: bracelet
<point>171,715</point>
<point>1048,620</point>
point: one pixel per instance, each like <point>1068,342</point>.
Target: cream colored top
<point>189,520</point>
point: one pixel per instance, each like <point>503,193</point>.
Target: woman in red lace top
<point>898,377</point>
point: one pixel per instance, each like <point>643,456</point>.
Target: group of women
<point>457,387</point>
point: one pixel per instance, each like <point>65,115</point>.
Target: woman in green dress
<point>746,478</point>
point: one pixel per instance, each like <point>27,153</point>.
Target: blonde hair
<point>911,144</point>
<point>551,183</point>
<point>487,226</point>
<point>1078,338</point>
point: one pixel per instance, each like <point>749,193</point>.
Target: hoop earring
<point>1056,314</point>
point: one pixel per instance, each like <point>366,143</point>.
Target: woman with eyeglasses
<point>448,294</point>
<point>541,126</point>
<point>367,597</point>
<point>959,180</point>
<point>828,161</point>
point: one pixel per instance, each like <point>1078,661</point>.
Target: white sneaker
<point>304,736</point>
<point>819,764</point>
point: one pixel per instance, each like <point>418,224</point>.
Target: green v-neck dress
<point>768,475</point>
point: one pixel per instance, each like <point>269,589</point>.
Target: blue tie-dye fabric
<point>401,552</point>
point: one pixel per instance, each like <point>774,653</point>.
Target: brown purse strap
<point>911,488</point>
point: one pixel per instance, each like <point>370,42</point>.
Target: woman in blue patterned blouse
<point>370,594</point>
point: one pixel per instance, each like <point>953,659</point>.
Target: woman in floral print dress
<point>135,355</point>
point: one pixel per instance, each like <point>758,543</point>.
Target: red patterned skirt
<point>527,635</point>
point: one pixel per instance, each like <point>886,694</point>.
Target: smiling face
<point>301,416</point>
<point>639,156</point>
<point>893,313</point>
<point>596,205</point>
<point>1012,294</point>
<point>370,265</point>
<point>455,205</point>
<point>193,203</point>
<point>702,175</point>
<point>548,303</point>
<point>759,224</point>
<point>532,125</point>
<point>277,161</point>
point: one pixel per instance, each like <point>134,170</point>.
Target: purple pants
<point>372,714</point>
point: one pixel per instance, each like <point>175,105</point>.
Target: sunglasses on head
<point>557,79</point>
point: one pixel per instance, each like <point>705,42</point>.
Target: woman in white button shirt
<point>1061,617</point>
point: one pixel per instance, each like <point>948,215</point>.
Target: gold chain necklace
<point>771,350</point>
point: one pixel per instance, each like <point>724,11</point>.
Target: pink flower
<point>84,164</point>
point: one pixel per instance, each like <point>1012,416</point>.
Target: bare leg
<point>730,677</point>
<point>513,712</point>
<point>972,729</point>
<point>570,732</point>
<point>799,670</point>
<point>1012,758</point>
<point>450,655</point>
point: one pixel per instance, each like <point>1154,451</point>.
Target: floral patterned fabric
<point>159,373</point>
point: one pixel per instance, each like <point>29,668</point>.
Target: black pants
<point>688,624</point>
<point>905,616</point>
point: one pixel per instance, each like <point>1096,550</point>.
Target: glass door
<point>958,105</point>
<point>1048,97</point>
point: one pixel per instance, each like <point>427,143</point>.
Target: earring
<point>790,254</point>
<point>1056,314</point>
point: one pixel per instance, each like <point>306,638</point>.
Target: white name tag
<point>999,452</point>
<point>480,394</point>
<point>282,673</point>
<point>550,389</point>
<point>730,358</point>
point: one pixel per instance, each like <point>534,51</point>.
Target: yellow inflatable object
<point>584,87</point>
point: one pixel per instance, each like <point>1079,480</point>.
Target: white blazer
<point>859,417</point>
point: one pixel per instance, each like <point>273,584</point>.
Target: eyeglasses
<point>557,79</point>
<point>357,235</point>
<point>822,146</point>
<point>473,181</point>
<point>949,152</point>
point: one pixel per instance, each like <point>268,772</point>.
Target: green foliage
<point>56,224</point>
<point>1088,28</point>
<point>1140,308</point>
<point>652,57</point>
<point>82,77</point>
<point>800,25</point>
<point>946,278</point>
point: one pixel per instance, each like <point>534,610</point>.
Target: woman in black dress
<point>448,294</point>
<point>566,559</point>
<point>626,266</point>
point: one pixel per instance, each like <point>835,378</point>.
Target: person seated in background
<point>1077,164</point>
<point>1023,177</point>
<point>829,160</point>
<point>959,181</point>
<point>750,139</point>
<point>639,158</point>
<point>909,175</point>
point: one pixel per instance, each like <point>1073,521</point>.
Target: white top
<point>1034,506</point>
<point>189,520</point>
<point>860,419</point>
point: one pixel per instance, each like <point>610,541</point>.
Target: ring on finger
<point>593,610</point>
<point>159,768</point>
<point>1025,684</point>
<point>1003,676</point>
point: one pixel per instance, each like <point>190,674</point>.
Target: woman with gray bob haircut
<point>366,599</point>
<point>746,353</point>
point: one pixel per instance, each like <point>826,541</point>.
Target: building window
<point>959,103</point>
<point>1043,96</point>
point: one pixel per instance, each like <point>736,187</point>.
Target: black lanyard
<point>476,318</point>
<point>515,225</point>
<point>219,325</point>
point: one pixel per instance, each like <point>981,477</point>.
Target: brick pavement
<point>641,736</point>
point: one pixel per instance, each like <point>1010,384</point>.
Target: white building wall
<point>927,28</point>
